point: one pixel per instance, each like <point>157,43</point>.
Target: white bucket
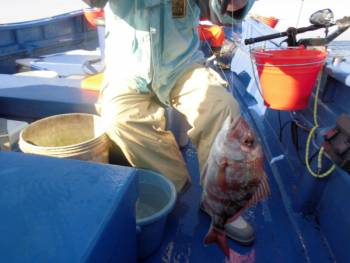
<point>77,136</point>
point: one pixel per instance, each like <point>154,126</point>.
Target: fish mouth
<point>235,122</point>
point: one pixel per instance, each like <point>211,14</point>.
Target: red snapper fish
<point>234,178</point>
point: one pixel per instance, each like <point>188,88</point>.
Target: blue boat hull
<point>305,219</point>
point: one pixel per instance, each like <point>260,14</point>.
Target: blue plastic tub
<point>157,197</point>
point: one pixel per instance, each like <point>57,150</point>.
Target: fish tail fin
<point>219,237</point>
<point>261,192</point>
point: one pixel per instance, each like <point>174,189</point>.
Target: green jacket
<point>147,48</point>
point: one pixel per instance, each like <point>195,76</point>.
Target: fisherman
<point>153,61</point>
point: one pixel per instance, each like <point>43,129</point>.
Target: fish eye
<point>248,141</point>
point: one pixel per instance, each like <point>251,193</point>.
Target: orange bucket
<point>92,15</point>
<point>270,21</point>
<point>288,76</point>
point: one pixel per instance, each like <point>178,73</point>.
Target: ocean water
<point>340,49</point>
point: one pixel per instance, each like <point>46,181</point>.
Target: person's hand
<point>96,3</point>
<point>231,6</point>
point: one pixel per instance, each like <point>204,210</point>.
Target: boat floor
<point>276,239</point>
<point>282,235</point>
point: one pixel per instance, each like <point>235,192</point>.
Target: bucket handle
<point>257,51</point>
<point>291,65</point>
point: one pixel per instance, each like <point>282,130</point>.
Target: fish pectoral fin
<point>262,191</point>
<point>222,183</point>
<point>219,237</point>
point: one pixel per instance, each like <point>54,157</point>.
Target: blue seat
<point>62,210</point>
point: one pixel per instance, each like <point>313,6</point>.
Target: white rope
<point>300,11</point>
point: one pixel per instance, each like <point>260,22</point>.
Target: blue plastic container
<point>157,197</point>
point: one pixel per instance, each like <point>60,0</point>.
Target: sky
<point>287,11</point>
